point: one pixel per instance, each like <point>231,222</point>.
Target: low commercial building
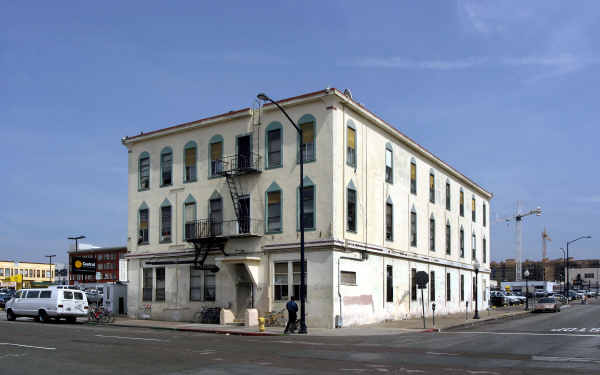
<point>214,208</point>
<point>31,272</point>
<point>532,285</point>
<point>584,278</point>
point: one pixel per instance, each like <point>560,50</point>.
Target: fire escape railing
<point>209,228</point>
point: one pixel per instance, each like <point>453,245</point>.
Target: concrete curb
<point>497,319</point>
<point>200,330</point>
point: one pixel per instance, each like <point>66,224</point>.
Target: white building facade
<point>378,209</point>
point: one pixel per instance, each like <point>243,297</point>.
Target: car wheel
<point>10,315</point>
<point>43,317</point>
<point>71,319</point>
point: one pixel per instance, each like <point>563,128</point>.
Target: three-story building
<point>213,217</point>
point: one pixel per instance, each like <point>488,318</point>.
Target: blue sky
<point>506,92</point>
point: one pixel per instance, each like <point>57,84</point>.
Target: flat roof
<point>328,91</point>
<point>100,250</point>
<point>25,262</point>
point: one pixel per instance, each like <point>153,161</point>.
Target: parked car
<point>515,298</point>
<point>43,304</point>
<point>94,296</point>
<point>547,304</point>
<point>498,298</point>
<point>562,299</point>
<point>4,297</point>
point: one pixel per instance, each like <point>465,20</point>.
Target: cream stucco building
<point>378,208</point>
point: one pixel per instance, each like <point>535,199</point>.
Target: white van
<point>44,304</point>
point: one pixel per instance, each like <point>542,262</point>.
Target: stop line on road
<point>578,330</point>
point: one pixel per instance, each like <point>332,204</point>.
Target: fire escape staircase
<point>207,235</point>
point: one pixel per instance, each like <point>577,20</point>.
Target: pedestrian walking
<point>292,309</point>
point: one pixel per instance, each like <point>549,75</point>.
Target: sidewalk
<point>394,327</point>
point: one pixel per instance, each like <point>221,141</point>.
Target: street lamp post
<point>76,238</point>
<point>526,274</point>
<point>564,271</point>
<point>567,267</point>
<point>302,329</point>
<point>476,266</point>
<point>50,264</point>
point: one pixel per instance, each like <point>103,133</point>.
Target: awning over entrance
<point>251,263</point>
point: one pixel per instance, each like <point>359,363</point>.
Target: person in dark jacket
<point>292,309</point>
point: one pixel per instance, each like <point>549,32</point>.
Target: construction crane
<point>545,238</point>
<point>518,218</point>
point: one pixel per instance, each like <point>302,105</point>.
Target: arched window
<point>413,227</point>
<point>389,220</point>
<point>389,163</point>
<point>307,148</point>
<point>309,205</point>
<point>413,176</point>
<point>215,213</point>
<point>274,199</point>
<point>190,157</point>
<point>462,242</point>
<point>431,233</point>
<point>144,171</point>
<point>351,144</point>
<point>274,145</point>
<point>143,224</point>
<point>165,221</point>
<point>216,156</point>
<point>351,207</point>
<point>189,218</point>
<point>166,167</point>
<point>448,238</point>
<point>431,186</point>
<point>462,202</point>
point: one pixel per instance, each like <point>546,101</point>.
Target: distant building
<point>97,265</point>
<point>32,272</point>
<point>585,277</point>
<point>547,270</point>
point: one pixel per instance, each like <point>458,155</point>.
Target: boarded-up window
<point>308,141</point>
<point>413,178</point>
<point>216,158</point>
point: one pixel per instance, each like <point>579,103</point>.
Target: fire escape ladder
<point>234,191</point>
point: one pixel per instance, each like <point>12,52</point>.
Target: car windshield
<point>546,300</point>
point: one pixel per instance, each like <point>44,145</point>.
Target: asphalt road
<point>564,343</point>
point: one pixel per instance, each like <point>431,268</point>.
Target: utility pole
<point>50,264</point>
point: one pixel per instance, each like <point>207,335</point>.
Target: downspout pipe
<point>364,256</point>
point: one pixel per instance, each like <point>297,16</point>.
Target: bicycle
<point>100,315</point>
<point>275,319</point>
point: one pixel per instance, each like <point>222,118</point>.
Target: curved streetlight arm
<point>577,239</point>
<point>265,98</point>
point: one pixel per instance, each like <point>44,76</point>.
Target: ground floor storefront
<point>345,286</point>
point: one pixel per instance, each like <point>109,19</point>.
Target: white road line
<point>564,359</point>
<point>519,333</point>
<point>27,346</point>
<point>129,338</point>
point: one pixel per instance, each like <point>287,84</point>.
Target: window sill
<point>190,181</point>
<point>274,167</point>
<point>165,241</point>
<point>145,189</point>
<point>143,243</point>
<point>348,284</point>
<point>306,229</point>
<point>351,231</point>
<point>351,165</point>
<point>165,185</point>
<point>306,161</point>
<point>276,232</point>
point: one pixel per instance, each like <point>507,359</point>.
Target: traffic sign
<point>422,279</point>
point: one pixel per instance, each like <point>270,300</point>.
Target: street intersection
<point>559,343</point>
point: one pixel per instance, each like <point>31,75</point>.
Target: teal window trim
<point>306,119</point>
<point>307,183</point>
<point>144,155</point>
<point>194,178</point>
<point>215,139</point>
<point>274,126</point>
<point>164,204</point>
<point>237,137</point>
<point>349,161</point>
<point>188,200</point>
<point>273,188</point>
<point>166,150</point>
<point>142,207</point>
